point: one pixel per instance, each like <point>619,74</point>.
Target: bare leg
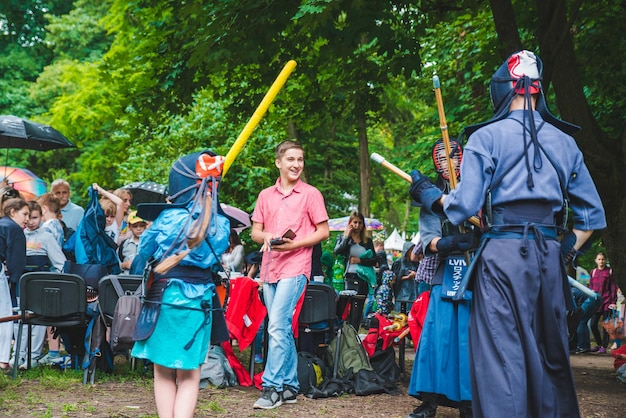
<point>176,391</point>
<point>53,343</point>
<point>164,390</point>
<point>187,394</point>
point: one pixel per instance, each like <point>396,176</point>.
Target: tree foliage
<point>135,84</point>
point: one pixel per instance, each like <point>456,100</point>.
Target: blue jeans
<point>281,367</point>
<point>369,304</point>
<point>583,336</point>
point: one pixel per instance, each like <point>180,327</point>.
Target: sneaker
<point>580,350</point>
<point>47,359</point>
<point>258,358</point>
<point>289,395</point>
<point>33,363</point>
<point>601,350</point>
<point>594,349</point>
<point>269,399</point>
<point>21,364</point>
<point>425,410</point>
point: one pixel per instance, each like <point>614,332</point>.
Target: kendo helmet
<point>520,74</point>
<point>441,162</point>
<point>189,177</point>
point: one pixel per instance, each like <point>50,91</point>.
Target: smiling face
<point>291,164</point>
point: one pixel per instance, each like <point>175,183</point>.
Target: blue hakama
<point>441,366</point>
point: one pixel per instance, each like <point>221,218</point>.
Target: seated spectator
<point>127,198</point>
<point>113,207</point>
<point>71,213</point>
<point>43,253</point>
<point>40,242</point>
<point>128,247</point>
<point>50,213</point>
<point>232,259</point>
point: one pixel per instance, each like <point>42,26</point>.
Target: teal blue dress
<point>183,331</point>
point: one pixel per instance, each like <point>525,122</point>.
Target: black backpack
<point>311,371</point>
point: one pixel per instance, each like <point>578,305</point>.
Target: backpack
<point>216,369</point>
<point>346,352</point>
<point>310,371</point>
<point>125,317</point>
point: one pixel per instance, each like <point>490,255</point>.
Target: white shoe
<point>49,360</point>
<point>33,363</point>
<point>12,362</point>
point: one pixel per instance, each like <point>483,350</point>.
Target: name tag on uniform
<point>454,269</point>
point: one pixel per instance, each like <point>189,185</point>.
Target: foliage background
<point>135,84</point>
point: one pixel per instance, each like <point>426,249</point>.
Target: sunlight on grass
<point>69,407</point>
<point>212,406</point>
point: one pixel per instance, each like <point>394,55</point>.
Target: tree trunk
<point>364,163</point>
<point>506,27</point>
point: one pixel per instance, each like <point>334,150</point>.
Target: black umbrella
<point>147,192</point>
<point>24,134</point>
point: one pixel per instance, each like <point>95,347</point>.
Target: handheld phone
<point>278,241</point>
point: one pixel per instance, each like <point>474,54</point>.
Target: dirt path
<point>599,395</point>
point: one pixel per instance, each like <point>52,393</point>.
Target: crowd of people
<point>495,323</point>
<point>35,236</point>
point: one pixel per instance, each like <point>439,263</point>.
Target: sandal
<point>6,369</point>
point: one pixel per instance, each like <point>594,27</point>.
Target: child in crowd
<point>128,247</point>
<point>50,214</point>
<point>40,244</point>
<point>113,207</point>
<point>127,198</point>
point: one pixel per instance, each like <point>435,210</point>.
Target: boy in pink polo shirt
<point>290,204</point>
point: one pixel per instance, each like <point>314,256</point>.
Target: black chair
<point>354,294</point>
<point>37,263</point>
<point>319,310</point>
<point>107,299</point>
<point>50,299</point>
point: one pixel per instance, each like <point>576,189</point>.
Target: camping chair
<point>50,299</point>
<point>107,299</point>
<point>319,310</point>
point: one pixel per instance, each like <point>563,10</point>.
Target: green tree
<point>569,45</point>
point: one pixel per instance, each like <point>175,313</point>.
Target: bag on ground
<point>346,352</point>
<point>310,371</point>
<point>384,363</point>
<point>368,382</point>
<point>125,317</point>
<point>216,370</point>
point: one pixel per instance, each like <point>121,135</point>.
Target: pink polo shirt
<point>301,210</point>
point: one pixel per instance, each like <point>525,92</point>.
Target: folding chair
<point>50,299</point>
<point>319,310</point>
<point>107,299</point>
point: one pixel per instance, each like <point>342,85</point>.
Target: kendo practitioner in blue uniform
<point>520,167</point>
<point>441,372</point>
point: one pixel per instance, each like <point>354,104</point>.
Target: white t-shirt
<point>113,231</point>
